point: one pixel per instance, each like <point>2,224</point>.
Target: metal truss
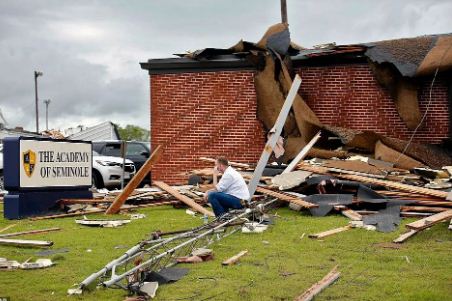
<point>153,255</point>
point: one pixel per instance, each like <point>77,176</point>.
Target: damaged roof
<point>411,56</point>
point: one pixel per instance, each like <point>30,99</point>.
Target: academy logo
<point>29,158</point>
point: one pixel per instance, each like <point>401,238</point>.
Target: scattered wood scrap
<point>135,181</point>
<point>233,164</point>
<point>30,232</point>
<point>192,204</point>
<point>314,290</point>
<point>402,238</point>
<point>287,198</point>
<point>7,227</point>
<point>352,214</point>
<point>234,259</point>
<point>25,243</point>
<point>329,232</point>
<point>430,221</point>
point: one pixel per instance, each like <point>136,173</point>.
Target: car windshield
<point>95,154</point>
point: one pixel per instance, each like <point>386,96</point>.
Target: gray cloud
<point>89,50</point>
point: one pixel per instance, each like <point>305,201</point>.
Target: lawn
<point>281,263</point>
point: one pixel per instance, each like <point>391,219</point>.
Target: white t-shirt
<point>233,183</point>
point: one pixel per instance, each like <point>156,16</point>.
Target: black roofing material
<point>405,54</point>
<point>166,275</point>
<point>326,202</point>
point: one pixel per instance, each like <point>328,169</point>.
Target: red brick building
<point>208,107</point>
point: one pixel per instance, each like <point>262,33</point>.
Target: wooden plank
<point>431,220</point>
<point>287,198</point>
<point>234,259</point>
<point>7,227</point>
<point>315,289</point>
<point>405,236</point>
<point>30,232</point>
<point>329,232</point>
<point>135,181</point>
<point>385,183</point>
<point>233,164</point>
<point>302,154</point>
<point>423,209</point>
<point>352,214</point>
<point>192,204</point>
<point>25,243</point>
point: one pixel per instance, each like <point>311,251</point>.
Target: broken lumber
<point>30,232</point>
<point>234,259</point>
<point>315,289</point>
<point>329,232</point>
<point>192,204</point>
<point>25,243</point>
<point>233,164</point>
<point>405,236</point>
<point>284,197</point>
<point>135,181</point>
<point>7,227</point>
<point>430,220</point>
<point>302,154</point>
<point>352,214</point>
<point>385,183</point>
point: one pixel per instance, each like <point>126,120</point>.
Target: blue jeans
<point>221,202</point>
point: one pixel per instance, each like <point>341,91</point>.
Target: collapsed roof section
<point>395,64</point>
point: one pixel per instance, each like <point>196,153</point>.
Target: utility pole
<point>47,102</point>
<point>283,11</point>
<point>37,74</point>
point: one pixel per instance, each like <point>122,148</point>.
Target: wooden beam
<point>7,227</point>
<point>329,232</point>
<point>234,259</point>
<point>302,154</point>
<point>430,220</point>
<point>423,209</point>
<point>25,243</point>
<point>315,289</point>
<point>136,180</point>
<point>405,236</point>
<point>30,232</point>
<point>192,204</point>
<point>352,214</point>
<point>285,197</point>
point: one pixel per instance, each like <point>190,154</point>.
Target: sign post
<point>39,172</point>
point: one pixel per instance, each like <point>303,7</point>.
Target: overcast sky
<point>89,51</point>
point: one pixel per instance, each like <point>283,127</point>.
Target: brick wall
<point>214,113</point>
<point>349,96</point>
<point>203,114</point>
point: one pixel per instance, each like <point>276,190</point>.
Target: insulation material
<point>270,98</point>
<point>439,57</point>
<point>385,153</point>
<point>433,156</point>
<point>291,179</point>
<point>327,154</point>
<point>407,103</point>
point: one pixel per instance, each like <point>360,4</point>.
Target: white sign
<point>48,163</point>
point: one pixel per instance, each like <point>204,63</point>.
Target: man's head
<point>222,163</point>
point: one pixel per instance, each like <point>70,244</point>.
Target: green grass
<point>368,271</point>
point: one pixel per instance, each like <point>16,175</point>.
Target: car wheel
<point>97,180</point>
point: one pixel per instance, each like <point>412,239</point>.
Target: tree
<point>133,132</point>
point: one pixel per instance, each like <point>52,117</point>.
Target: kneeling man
<point>230,192</point>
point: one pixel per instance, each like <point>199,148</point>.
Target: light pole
<point>37,74</point>
<point>47,102</point>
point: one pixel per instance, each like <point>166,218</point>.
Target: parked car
<point>2,186</point>
<point>136,151</point>
<point>107,170</point>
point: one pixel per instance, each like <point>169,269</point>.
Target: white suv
<point>107,171</point>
